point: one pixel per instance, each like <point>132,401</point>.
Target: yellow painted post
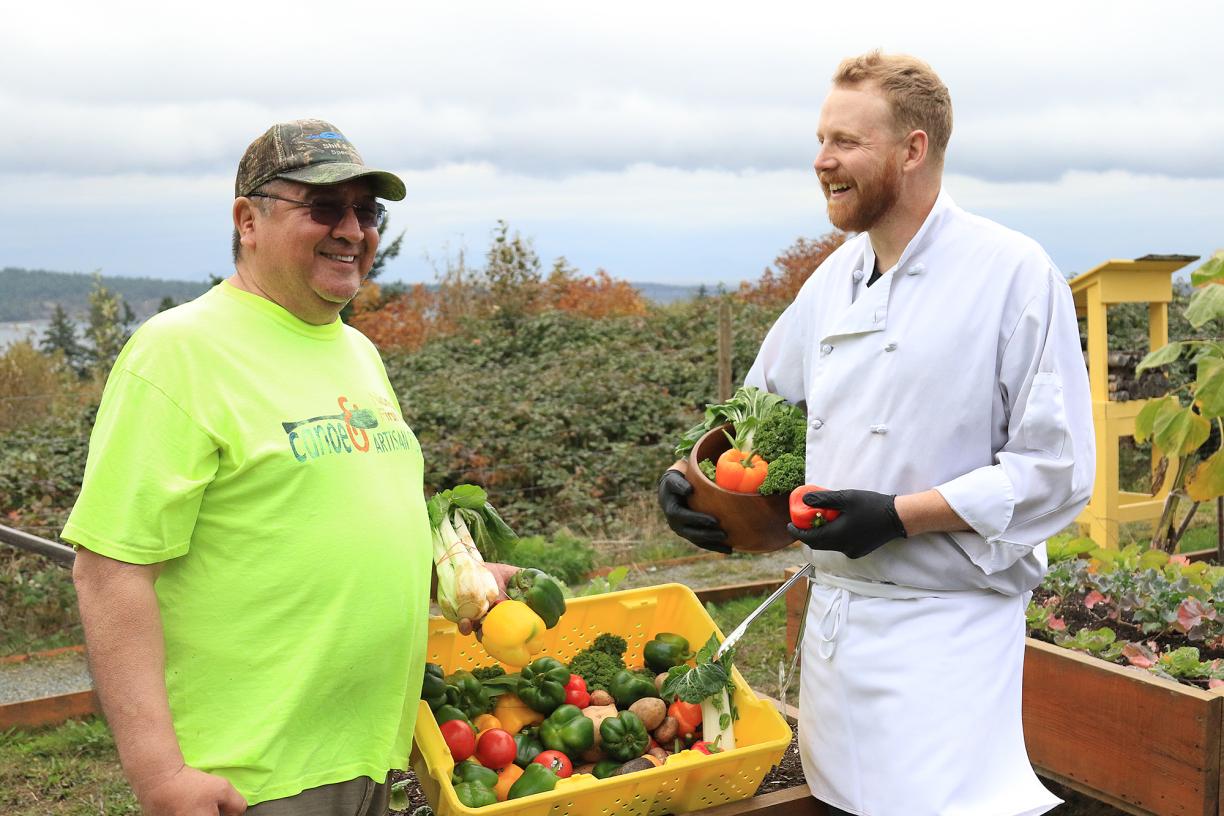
<point>1144,280</point>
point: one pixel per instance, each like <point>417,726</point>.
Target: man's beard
<point>873,200</point>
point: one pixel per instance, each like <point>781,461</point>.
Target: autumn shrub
<point>794,266</point>
<point>38,389</point>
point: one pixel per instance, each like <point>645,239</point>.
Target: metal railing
<point>54,550</point>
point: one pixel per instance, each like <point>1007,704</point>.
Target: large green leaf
<point>1145,422</point>
<point>1209,389</point>
<point>1207,480</point>
<point>1206,305</point>
<point>1210,272</point>
<point>1180,432</point>
<point>1161,356</point>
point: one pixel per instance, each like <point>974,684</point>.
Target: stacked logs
<point>1124,385</point>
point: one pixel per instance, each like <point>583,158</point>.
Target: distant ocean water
<point>26,329</point>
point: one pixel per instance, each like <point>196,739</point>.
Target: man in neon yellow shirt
<point>253,548</point>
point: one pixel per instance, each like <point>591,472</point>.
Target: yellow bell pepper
<point>512,634</point>
<point>515,715</point>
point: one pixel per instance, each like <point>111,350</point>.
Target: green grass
<point>67,770</point>
<point>1198,538</point>
<point>764,644</point>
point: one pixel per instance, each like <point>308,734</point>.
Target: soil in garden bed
<point>1072,611</point>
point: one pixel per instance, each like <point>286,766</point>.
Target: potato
<point>667,731</point>
<point>659,678</point>
<point>597,714</point>
<point>586,769</point>
<point>640,764</point>
<point>599,697</point>
<point>659,753</point>
<point>651,711</point>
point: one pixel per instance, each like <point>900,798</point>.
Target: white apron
<point>910,702</point>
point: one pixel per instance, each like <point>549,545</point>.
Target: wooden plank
<point>728,592</point>
<point>795,801</point>
<point>48,710</point>
<point>1151,744</point>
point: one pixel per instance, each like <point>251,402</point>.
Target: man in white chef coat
<point>938,358</point>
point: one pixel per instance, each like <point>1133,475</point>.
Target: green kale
<point>784,475</point>
<point>488,672</point>
<point>614,645</point>
<point>782,431</point>
<point>598,663</point>
<point>707,467</point>
<point>693,684</point>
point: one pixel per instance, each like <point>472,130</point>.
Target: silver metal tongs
<point>738,632</point>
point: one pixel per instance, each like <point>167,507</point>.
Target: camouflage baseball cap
<point>309,151</point>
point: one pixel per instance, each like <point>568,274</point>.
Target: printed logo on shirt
<point>353,430</point>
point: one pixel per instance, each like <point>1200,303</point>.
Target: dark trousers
<point>834,811</point>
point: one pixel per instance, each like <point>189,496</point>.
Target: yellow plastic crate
<point>688,781</point>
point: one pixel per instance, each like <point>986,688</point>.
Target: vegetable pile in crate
<point>606,718</point>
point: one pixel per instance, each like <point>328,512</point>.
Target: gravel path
<point>43,677</point>
<point>718,571</point>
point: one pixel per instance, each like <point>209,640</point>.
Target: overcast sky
<point>664,141</point>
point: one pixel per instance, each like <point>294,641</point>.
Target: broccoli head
<point>488,672</point>
<point>614,645</point>
<point>782,431</point>
<point>784,475</point>
<point>596,667</point>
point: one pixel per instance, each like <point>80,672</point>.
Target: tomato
<point>495,748</point>
<point>460,739</point>
<point>556,762</point>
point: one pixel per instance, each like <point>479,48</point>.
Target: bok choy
<point>466,531</point>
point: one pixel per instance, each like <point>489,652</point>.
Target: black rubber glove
<point>700,528</point>
<point>867,520</point>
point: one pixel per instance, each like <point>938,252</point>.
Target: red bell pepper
<point>805,517</point>
<point>688,718</point>
<point>705,748</point>
<point>576,693</point>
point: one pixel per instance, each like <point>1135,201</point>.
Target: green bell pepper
<point>473,699</point>
<point>624,736</point>
<point>605,768</point>
<point>665,651</point>
<point>627,688</point>
<point>469,771</point>
<point>542,684</point>
<point>446,713</point>
<point>535,779</point>
<point>567,730</point>
<point>475,795</point>
<point>433,687</point>
<point>541,592</point>
<point>528,747</point>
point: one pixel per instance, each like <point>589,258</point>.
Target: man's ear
<point>916,146</point>
<point>244,221</point>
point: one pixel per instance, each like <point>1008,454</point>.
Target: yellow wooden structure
<point>1144,280</point>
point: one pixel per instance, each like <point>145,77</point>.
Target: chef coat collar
<point>864,310</point>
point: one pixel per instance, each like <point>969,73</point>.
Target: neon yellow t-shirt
<point>266,462</point>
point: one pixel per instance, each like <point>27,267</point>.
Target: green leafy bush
<point>565,556</point>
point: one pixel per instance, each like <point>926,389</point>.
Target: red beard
<point>871,199</point>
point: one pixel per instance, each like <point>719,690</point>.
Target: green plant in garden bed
<point>1141,607</point>
<point>1180,431</point>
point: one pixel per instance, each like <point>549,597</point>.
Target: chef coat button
<point>879,429</point>
<point>858,275</point>
<point>826,349</point>
<point>916,269</point>
<point>817,424</point>
<point>891,347</point>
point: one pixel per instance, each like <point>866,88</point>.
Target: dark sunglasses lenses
<point>330,214</point>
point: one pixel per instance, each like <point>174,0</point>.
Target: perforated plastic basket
<point>687,781</point>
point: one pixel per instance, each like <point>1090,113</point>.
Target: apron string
<point>831,621</point>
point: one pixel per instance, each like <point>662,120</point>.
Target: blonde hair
<point>918,97</point>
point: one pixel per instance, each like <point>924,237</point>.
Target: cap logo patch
<point>327,134</point>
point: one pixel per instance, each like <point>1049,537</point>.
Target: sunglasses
<point>331,213</point>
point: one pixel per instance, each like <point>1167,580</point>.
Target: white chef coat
<point>960,369</point>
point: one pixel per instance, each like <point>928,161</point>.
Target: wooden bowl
<point>753,523</point>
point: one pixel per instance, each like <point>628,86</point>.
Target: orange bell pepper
<point>506,777</point>
<point>687,716</point>
<point>741,471</point>
<point>484,722</point>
